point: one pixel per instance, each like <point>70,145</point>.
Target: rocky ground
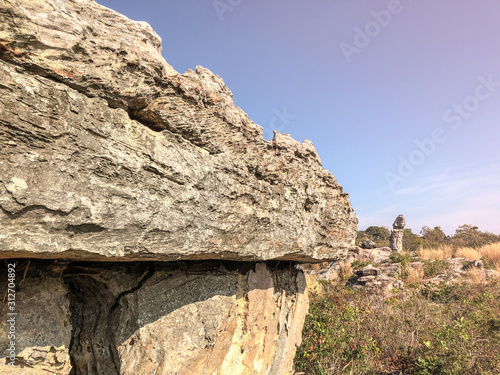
<point>382,270</point>
<point>388,313</point>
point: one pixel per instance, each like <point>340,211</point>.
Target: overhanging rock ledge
<point>159,230</point>
<point>109,154</point>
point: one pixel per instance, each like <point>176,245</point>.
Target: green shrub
<point>405,259</point>
<point>379,235</point>
<point>357,264</point>
<point>435,267</point>
<point>488,264</point>
<point>440,329</point>
<point>428,366</point>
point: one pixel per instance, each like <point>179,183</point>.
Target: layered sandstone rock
<point>109,155</point>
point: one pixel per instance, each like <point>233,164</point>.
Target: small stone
<point>367,244</point>
<point>473,264</point>
<point>366,278</point>
<point>398,284</point>
<point>491,274</point>
<point>368,271</point>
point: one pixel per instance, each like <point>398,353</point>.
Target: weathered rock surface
<point>109,154</point>
<point>377,255</point>
<point>399,223</point>
<point>178,318</point>
<point>42,326</point>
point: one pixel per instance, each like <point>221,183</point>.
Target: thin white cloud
<point>459,195</point>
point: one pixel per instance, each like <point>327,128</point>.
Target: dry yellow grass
<point>468,253</point>
<point>491,252</point>
<point>415,273</point>
<point>476,275</point>
<point>439,253</point>
<point>345,270</point>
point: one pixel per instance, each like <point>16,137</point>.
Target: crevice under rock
<point>196,317</point>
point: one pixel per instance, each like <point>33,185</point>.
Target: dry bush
<point>436,329</point>
<point>314,266</point>
<point>468,253</point>
<point>414,274</point>
<point>440,253</point>
<point>345,270</point>
<point>314,285</point>
<point>476,275</point>
<point>491,253</point>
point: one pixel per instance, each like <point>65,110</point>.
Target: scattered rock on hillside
<point>369,270</point>
<point>472,264</point>
<point>383,276</point>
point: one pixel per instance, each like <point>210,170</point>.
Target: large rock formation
<point>109,155</point>
<point>207,317</point>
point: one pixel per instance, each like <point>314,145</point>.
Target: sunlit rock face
<point>202,317</point>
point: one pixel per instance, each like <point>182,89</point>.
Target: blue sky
<point>401,98</point>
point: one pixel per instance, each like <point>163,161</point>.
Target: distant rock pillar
<point>398,230</point>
